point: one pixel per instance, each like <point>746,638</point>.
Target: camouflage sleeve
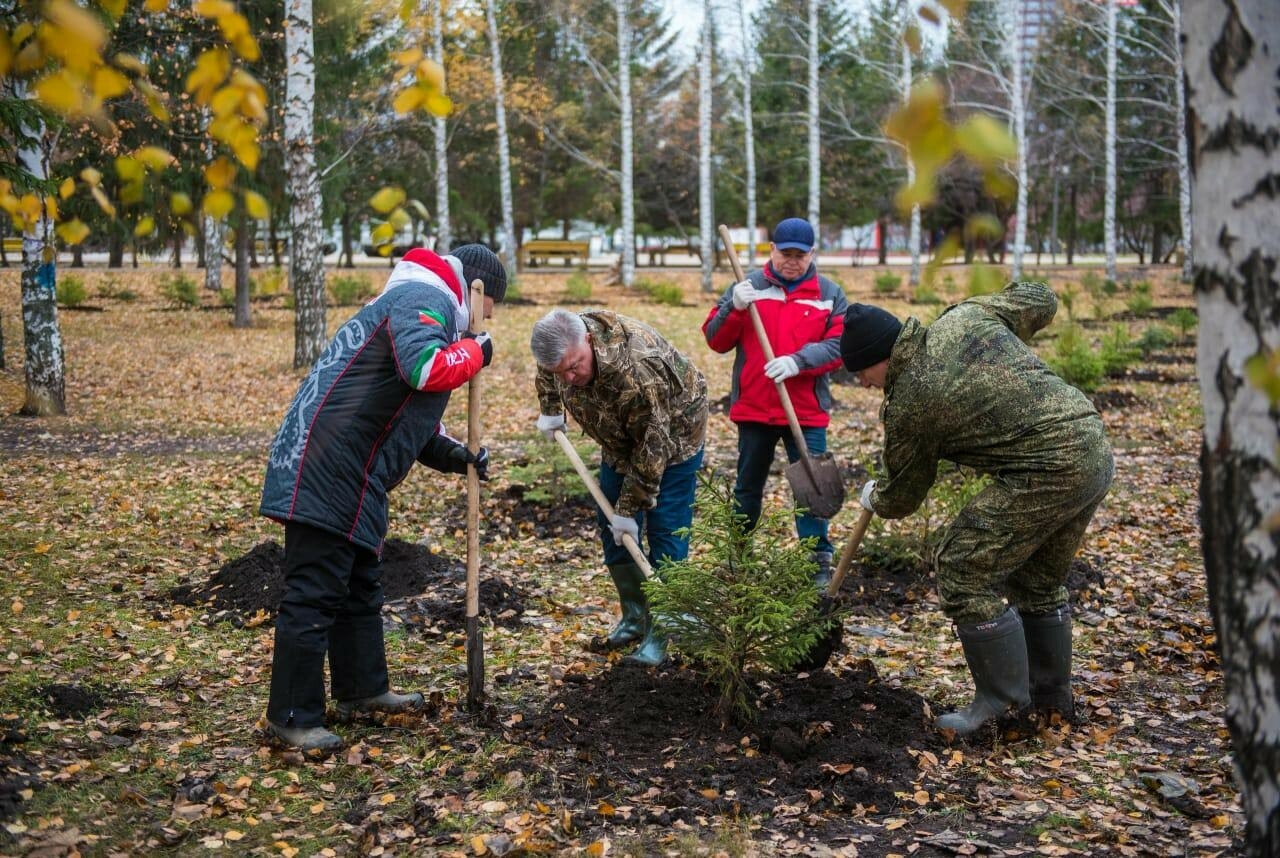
<point>1023,307</point>
<point>650,424</point>
<point>548,393</point>
<point>911,466</point>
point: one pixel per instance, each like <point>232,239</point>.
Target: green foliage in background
<point>71,291</point>
<point>180,291</point>
<point>1074,360</point>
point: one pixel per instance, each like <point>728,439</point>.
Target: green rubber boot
<point>387,702</point>
<point>1049,661</point>
<point>822,577</point>
<point>627,577</point>
<point>997,655</point>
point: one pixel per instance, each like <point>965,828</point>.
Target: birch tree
<point>306,253</point>
<point>508,239</point>
<point>1109,195</point>
<point>815,131</point>
<point>440,127</point>
<point>706,197</point>
<point>44,367</point>
<point>748,134</point>
<point>913,238</point>
<point>1234,120</point>
<point>626,167</point>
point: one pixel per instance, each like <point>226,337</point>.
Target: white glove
<point>621,524</point>
<point>549,423</point>
<point>781,368</point>
<point>865,500</point>
<point>744,294</point>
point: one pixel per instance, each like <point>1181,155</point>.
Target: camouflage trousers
<point>1015,541</point>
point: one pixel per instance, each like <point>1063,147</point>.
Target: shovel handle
<point>767,348</point>
<point>850,549</point>
<point>592,486</point>
<point>475,639</point>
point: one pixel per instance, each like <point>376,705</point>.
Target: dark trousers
<point>756,445</point>
<point>332,605</point>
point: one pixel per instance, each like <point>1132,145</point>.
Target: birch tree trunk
<point>1184,163</point>
<point>815,134</point>
<point>748,134</point>
<point>1231,54</point>
<point>44,368</point>
<point>913,240</point>
<point>706,199</point>
<point>1018,109</point>
<point>508,238</point>
<point>628,261</point>
<point>1109,202</point>
<point>243,311</point>
<point>214,236</point>
<point>444,229</point>
<point>306,253</point>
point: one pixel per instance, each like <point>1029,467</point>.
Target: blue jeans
<point>658,526</point>
<point>756,445</point>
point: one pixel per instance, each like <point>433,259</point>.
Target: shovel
<point>475,639</point>
<point>815,480</point>
<point>592,486</point>
<point>820,653</point>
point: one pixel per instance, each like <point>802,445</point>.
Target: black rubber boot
<point>822,577</point>
<point>628,578</point>
<point>997,655</point>
<point>1049,661</point>
<point>306,739</point>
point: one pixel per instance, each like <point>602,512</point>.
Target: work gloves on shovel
<point>744,294</point>
<point>622,525</point>
<point>867,491</point>
<point>549,424</point>
<point>450,456</point>
<point>484,341</point>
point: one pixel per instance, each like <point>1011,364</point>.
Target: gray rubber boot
<point>306,738</point>
<point>822,577</point>
<point>997,655</point>
<point>1049,661</point>
<point>388,702</point>
<point>627,577</point>
<point>653,649</point>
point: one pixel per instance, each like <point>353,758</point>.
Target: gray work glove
<point>781,368</point>
<point>744,294</point>
<point>622,524</point>
<point>549,423</point>
<point>865,500</point>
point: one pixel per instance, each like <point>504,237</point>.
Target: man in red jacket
<point>803,316</point>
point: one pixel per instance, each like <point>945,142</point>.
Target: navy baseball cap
<point>794,233</point>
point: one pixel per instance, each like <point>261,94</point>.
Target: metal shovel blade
<point>823,492</point>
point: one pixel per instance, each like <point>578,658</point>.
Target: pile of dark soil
<point>253,584</point>
<point>72,700</point>
<point>827,749</point>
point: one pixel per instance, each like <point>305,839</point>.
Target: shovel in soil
<point>592,486</point>
<point>815,481</point>
<point>820,653</point>
<point>475,638</point>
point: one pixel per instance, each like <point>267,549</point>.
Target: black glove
<point>484,340</point>
<point>459,457</point>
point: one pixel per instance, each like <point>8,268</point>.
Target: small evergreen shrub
<point>660,292</point>
<point>548,479</point>
<point>1185,320</point>
<point>110,289</point>
<point>740,600</point>
<point>180,291</point>
<point>985,280</point>
<point>578,287</point>
<point>1067,298</point>
<point>1140,301</point>
<point>268,283</point>
<point>1154,338</point>
<point>71,291</point>
<point>925,294</point>
<point>348,289</point>
<point>1074,360</point>
<point>887,283</point>
<point>1118,351</point>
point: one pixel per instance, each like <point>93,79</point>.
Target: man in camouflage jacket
<point>968,389</point>
<point>645,404</point>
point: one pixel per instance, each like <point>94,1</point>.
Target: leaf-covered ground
<point>139,586</point>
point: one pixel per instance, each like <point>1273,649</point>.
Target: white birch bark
<point>1184,161</point>
<point>913,239</point>
<point>1231,54</point>
<point>815,133</point>
<point>508,239</point>
<point>1109,202</point>
<point>214,236</point>
<point>706,199</point>
<point>748,134</point>
<point>44,366</point>
<point>306,255</point>
<point>444,229</point>
<point>627,170</point>
<point>1018,108</point>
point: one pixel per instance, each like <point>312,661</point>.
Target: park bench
<point>761,249</point>
<point>13,244</point>
<point>540,251</point>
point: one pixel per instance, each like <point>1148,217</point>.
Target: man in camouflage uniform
<point>968,389</point>
<point>645,404</point>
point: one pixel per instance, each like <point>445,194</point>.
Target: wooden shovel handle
<point>473,478</point>
<point>850,549</point>
<point>767,348</point>
<point>592,486</point>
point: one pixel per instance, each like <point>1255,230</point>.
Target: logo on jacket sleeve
<point>430,317</point>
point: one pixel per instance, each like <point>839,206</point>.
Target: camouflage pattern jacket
<point>646,406</point>
<point>968,389</point>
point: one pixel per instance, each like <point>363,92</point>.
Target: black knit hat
<point>868,338</point>
<point>479,262</point>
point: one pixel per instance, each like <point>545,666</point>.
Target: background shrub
<point>180,290</point>
<point>347,289</point>
<point>71,291</point>
<point>1074,360</point>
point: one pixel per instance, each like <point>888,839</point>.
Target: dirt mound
<point>254,583</point>
<point>827,749</point>
<point>73,701</point>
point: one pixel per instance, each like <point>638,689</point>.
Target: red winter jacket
<point>805,323</point>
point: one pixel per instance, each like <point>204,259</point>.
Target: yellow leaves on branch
<point>426,90</point>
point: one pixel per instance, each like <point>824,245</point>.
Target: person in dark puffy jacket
<point>803,317</point>
<point>368,410</point>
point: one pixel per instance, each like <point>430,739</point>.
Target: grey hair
<point>553,335</point>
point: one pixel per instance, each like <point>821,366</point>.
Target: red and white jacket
<point>805,322</point>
